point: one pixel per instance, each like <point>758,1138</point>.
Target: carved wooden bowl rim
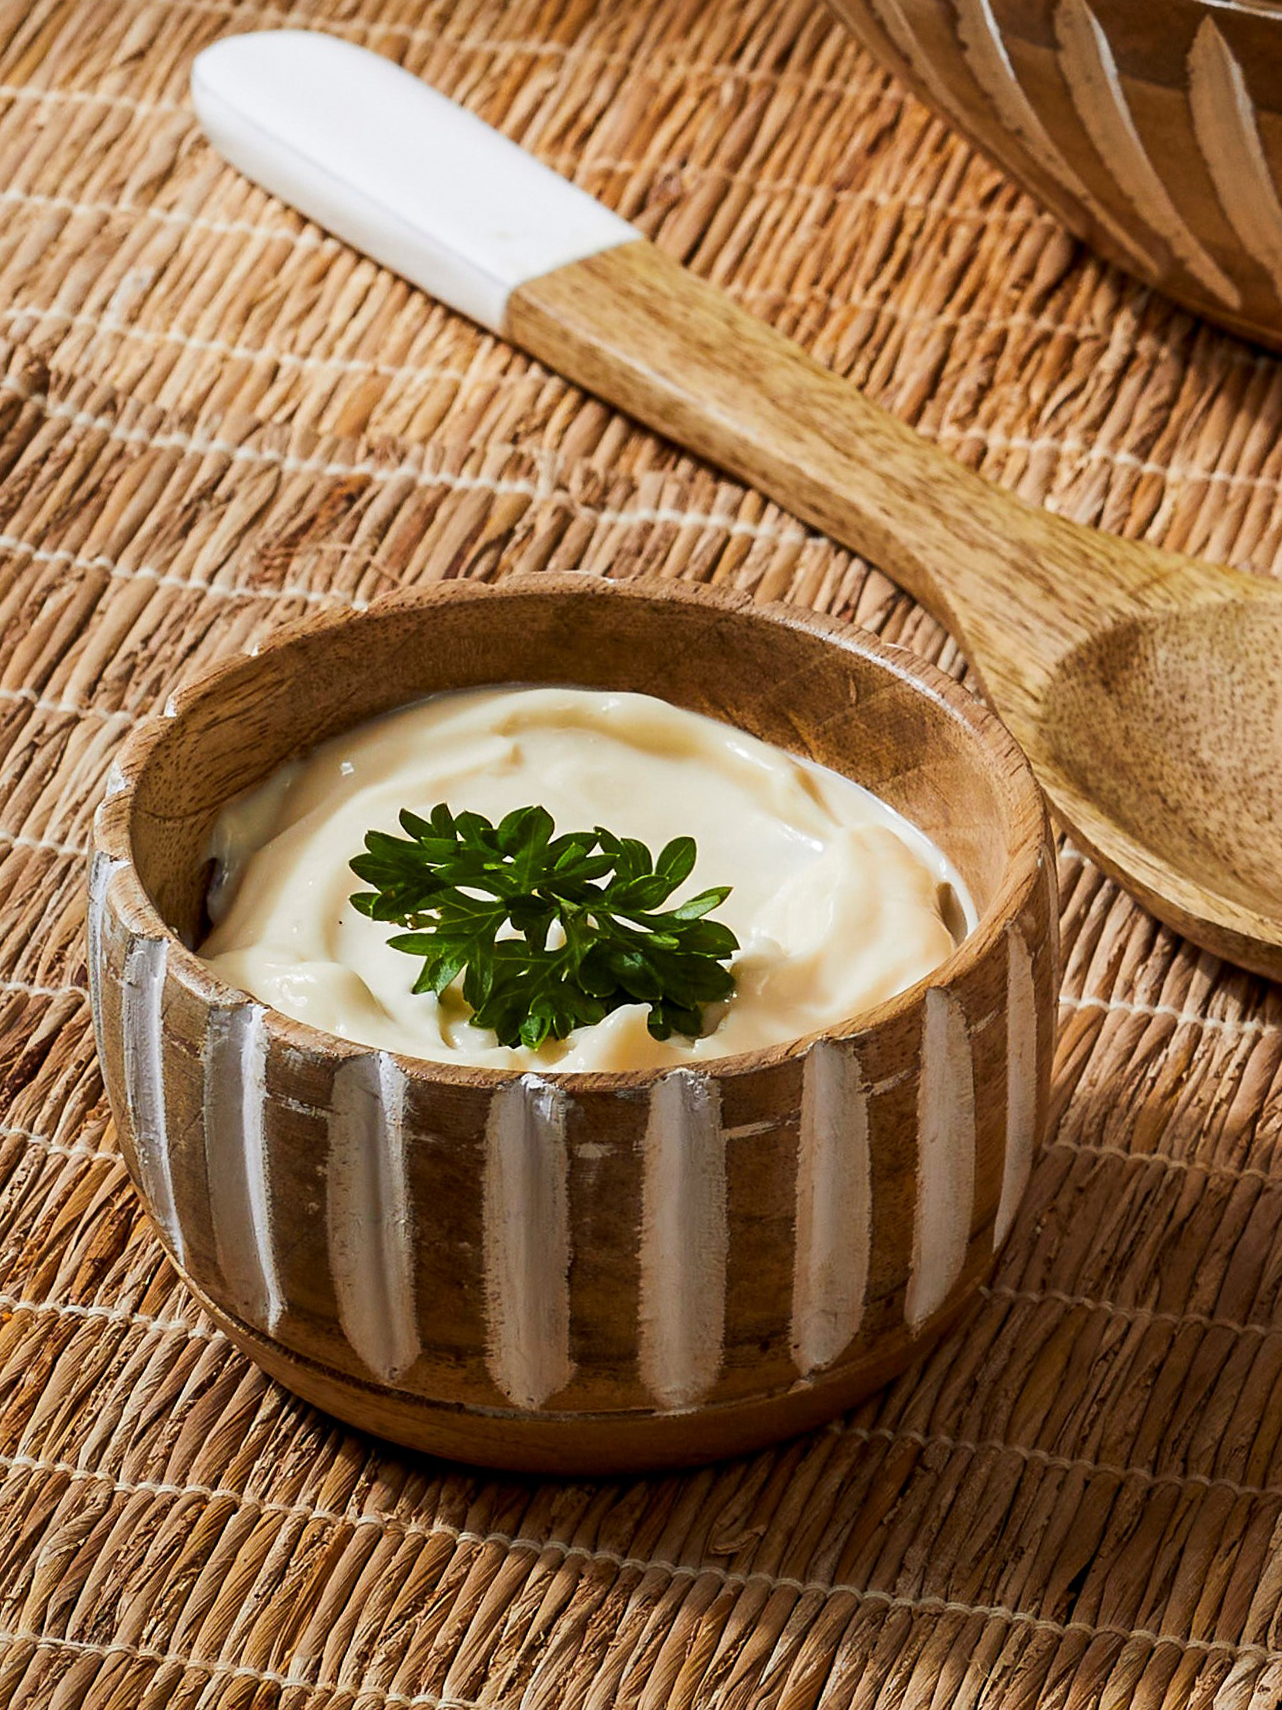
<point>1016,789</point>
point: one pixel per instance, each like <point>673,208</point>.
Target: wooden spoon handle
<point>1017,585</point>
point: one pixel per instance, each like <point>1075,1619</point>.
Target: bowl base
<point>572,1444</point>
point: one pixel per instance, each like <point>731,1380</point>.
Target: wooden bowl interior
<point>824,692</point>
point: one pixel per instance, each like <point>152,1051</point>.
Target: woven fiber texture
<point>213,418</point>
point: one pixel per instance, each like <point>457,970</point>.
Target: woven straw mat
<point>214,418</point>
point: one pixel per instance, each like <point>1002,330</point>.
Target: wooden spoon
<point>1145,687</point>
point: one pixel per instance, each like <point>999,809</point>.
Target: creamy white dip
<point>838,902</point>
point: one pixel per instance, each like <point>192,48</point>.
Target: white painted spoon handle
<point>394,168</point>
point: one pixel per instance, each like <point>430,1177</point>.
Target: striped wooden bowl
<point>1152,128</point>
<point>579,1272</point>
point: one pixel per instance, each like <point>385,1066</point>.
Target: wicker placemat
<point>213,418</point>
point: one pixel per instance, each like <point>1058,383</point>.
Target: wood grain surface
<point>213,420</point>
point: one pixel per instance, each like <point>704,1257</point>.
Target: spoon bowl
<point>1163,749</point>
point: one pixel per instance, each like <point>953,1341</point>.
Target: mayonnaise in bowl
<point>837,901</point>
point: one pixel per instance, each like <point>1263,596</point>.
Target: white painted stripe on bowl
<point>101,871</point>
<point>1228,134</point>
<point>834,1208</point>
<point>1021,1081</point>
<point>369,1224</point>
<point>1094,82</point>
<point>527,1241</point>
<point>945,1157</point>
<point>984,49</point>
<point>140,1023</point>
<point>684,1241</point>
<point>236,1162</point>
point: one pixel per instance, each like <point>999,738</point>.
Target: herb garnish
<point>457,880</point>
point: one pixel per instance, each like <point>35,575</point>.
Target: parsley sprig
<point>456,881</point>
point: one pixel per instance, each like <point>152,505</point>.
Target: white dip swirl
<point>838,902</point>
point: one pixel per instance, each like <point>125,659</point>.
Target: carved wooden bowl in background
<point>1152,128</point>
<point>579,1272</point>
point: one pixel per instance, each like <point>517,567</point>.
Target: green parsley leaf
<point>455,882</point>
